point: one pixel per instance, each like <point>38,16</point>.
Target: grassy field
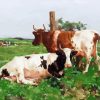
<point>73,86</point>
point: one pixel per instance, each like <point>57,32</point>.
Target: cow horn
<point>44,27</point>
<point>34,28</point>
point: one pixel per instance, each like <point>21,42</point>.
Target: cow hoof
<point>35,84</point>
<point>98,72</point>
<point>84,72</point>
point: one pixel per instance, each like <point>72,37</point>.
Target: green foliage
<point>73,86</point>
<point>66,25</point>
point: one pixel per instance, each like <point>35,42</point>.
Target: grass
<point>73,86</point>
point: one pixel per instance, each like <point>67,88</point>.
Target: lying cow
<point>30,69</point>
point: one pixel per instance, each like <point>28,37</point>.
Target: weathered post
<point>52,21</point>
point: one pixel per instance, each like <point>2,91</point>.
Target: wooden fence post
<point>52,21</point>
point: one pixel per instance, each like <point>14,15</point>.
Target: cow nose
<point>61,73</point>
<point>68,65</point>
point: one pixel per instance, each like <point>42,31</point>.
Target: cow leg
<point>21,78</point>
<point>98,62</point>
<point>8,78</point>
<point>86,69</point>
<point>35,81</point>
<point>88,59</point>
<point>87,65</point>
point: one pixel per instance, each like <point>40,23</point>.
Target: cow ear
<point>59,52</point>
<point>74,52</point>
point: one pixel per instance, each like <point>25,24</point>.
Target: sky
<point>18,16</point>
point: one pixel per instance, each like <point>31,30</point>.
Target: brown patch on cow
<point>48,41</point>
<point>81,53</point>
<point>64,39</point>
<point>27,57</point>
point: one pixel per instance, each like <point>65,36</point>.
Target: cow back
<point>64,39</point>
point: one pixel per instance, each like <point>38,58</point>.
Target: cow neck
<point>47,40</point>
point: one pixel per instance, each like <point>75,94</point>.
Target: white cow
<point>85,42</point>
<point>31,68</point>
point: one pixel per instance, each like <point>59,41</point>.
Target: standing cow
<point>84,42</point>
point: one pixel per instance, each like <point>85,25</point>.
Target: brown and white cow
<point>84,41</point>
<point>30,69</point>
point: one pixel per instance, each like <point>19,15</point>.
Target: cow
<point>1,43</point>
<point>84,41</point>
<point>47,38</point>
<point>30,69</point>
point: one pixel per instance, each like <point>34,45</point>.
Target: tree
<point>66,25</point>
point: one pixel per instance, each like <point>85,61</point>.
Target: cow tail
<point>97,35</point>
<point>0,73</point>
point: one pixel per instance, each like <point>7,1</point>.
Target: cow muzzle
<point>68,65</point>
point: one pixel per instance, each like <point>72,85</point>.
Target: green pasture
<point>73,86</point>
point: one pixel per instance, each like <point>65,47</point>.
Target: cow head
<point>56,67</point>
<point>38,35</point>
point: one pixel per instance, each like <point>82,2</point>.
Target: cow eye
<point>37,33</point>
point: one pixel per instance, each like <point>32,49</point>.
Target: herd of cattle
<point>62,46</point>
<point>4,43</point>
<point>84,42</point>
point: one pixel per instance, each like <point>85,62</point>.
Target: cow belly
<point>35,74</point>
<point>31,73</point>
